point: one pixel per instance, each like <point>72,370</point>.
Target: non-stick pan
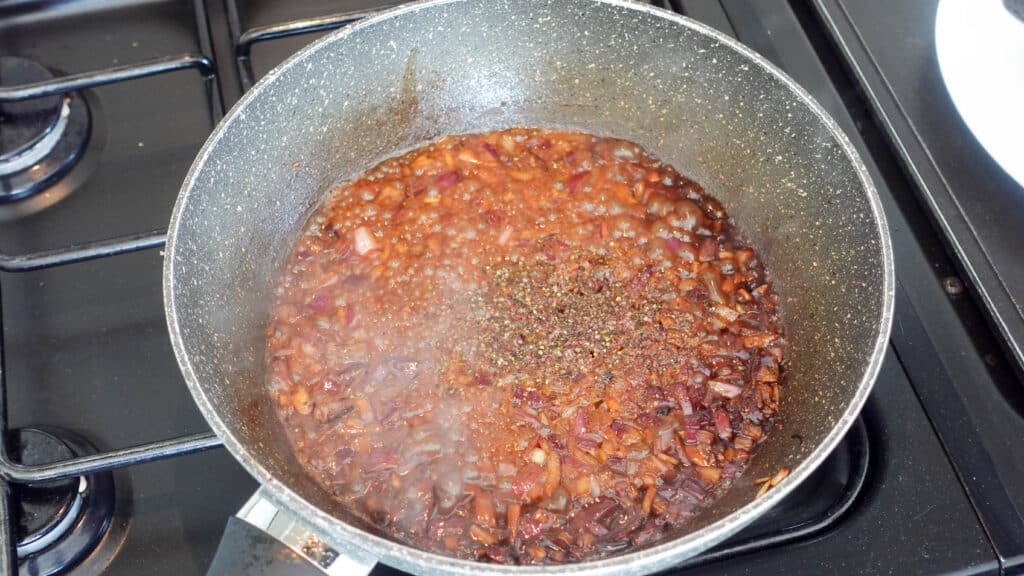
<point>697,99</point>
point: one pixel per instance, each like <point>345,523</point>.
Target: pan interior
<point>457,67</point>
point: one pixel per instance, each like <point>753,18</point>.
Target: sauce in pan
<point>524,347</point>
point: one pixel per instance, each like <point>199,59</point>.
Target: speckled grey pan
<point>692,96</point>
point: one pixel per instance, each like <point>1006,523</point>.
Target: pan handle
<point>264,540</point>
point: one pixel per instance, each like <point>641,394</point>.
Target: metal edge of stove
<point>959,232</point>
<point>972,396</point>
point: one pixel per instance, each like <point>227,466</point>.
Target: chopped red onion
<point>518,394</point>
<point>725,389</point>
<point>693,489</point>
<point>319,303</point>
<point>534,399</point>
<point>647,419</point>
<point>579,425</point>
<point>380,461</point>
<point>447,180</point>
<point>722,424</point>
<point>729,470</point>
<point>364,241</point>
<point>527,484</point>
<point>707,250</point>
<point>494,217</point>
<point>491,150</point>
<point>710,279</point>
<point>576,180</point>
<point>530,527</point>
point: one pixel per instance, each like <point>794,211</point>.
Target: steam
<point>421,390</point>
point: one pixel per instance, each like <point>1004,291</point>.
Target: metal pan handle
<point>264,540</point>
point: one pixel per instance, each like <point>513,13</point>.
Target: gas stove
<point>108,467</point>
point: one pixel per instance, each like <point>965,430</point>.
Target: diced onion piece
<point>664,440</point>
<point>447,180</point>
<point>726,313</point>
<point>705,437</point>
<point>694,489</point>
<point>779,476</point>
<point>648,499</point>
<point>481,535</point>
<point>708,249</point>
<point>751,430</point>
<point>319,303</point>
<point>743,443</point>
<point>364,241</point>
<point>530,527</point>
<point>693,454</point>
<point>710,279</point>
<point>709,474</point>
<point>624,151</point>
<point>579,423</point>
<point>764,489</point>
<point>722,425</point>
<point>491,150</point>
<point>301,401</point>
<point>527,484</point>
<point>725,389</point>
<point>483,508</point>
<point>468,156</point>
<point>554,474</point>
<point>576,180</point>
<point>514,510</point>
<point>581,486</point>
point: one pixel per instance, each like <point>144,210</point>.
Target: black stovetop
<point>929,481</point>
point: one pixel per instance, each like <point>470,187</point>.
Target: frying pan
<point>700,101</point>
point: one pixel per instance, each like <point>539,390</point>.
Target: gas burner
<point>59,523</point>
<point>40,139</point>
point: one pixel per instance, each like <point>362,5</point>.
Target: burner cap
<point>44,510</point>
<point>25,124</point>
<point>58,523</point>
<point>41,138</point>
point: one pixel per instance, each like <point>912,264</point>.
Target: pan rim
<point>639,561</point>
